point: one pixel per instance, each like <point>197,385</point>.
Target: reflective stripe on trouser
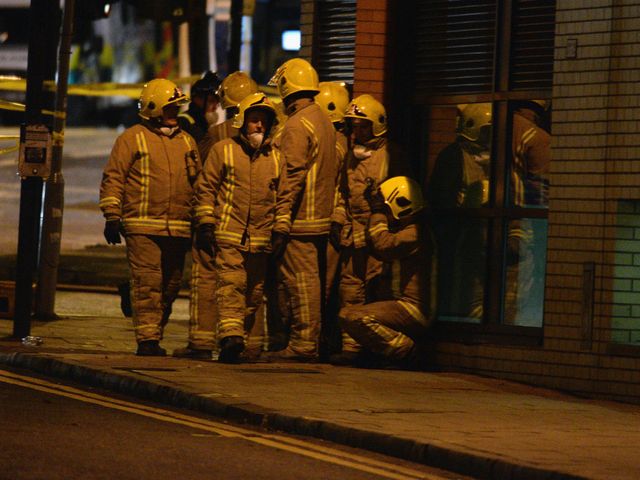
<point>155,265</point>
<point>358,275</point>
<point>203,313</point>
<point>277,310</point>
<point>384,327</point>
<point>303,284</point>
<point>519,283</point>
<point>239,294</point>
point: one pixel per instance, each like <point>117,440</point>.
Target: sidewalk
<point>481,427</point>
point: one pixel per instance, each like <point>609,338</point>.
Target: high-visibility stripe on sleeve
<point>203,210</point>
<point>109,202</point>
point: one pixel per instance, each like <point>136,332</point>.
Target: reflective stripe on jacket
<point>308,147</point>
<point>237,193</point>
<point>353,209</point>
<point>147,181</point>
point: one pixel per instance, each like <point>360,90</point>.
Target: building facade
<point>541,279</point>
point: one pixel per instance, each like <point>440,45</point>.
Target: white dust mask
<point>361,152</point>
<point>255,139</point>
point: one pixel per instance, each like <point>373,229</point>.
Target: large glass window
<point>483,77</point>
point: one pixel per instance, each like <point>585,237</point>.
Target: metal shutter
<point>455,42</point>
<point>335,39</point>
<point>532,44</point>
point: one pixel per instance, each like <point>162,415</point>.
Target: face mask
<point>361,152</point>
<point>211,117</point>
<point>168,131</point>
<point>255,139</point>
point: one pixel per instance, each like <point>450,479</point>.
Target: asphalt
<point>481,427</point>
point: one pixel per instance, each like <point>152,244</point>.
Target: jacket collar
<point>298,105</point>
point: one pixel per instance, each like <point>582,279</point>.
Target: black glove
<point>335,235</point>
<point>112,232</point>
<point>278,244</point>
<point>206,239</point>
<point>376,202</point>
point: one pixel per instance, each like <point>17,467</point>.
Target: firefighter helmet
<point>235,87</point>
<point>368,108</point>
<point>403,195</point>
<point>250,102</point>
<point>474,121</point>
<point>207,85</point>
<point>334,99</point>
<point>156,95</point>
<point>295,75</point>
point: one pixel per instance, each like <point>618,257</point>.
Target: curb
<point>247,413</point>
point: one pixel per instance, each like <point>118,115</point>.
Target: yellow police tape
<point>109,89</point>
<point>17,84</point>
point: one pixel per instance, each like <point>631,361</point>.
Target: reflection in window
<point>460,180</point>
<point>531,155</point>
<point>525,258</point>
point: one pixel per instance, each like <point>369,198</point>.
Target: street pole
<point>233,59</point>
<point>54,188</point>
<point>44,22</point>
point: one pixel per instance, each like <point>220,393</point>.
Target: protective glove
<point>206,239</point>
<point>278,244</point>
<point>112,232</point>
<point>335,235</point>
<point>376,202</point>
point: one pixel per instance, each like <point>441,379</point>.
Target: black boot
<point>150,348</point>
<point>192,353</point>
<point>230,349</point>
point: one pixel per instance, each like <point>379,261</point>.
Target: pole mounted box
<point>34,159</point>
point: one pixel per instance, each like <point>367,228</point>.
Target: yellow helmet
<point>235,87</point>
<point>156,95</point>
<point>254,100</point>
<point>367,107</point>
<point>474,121</point>
<point>295,75</point>
<point>334,99</point>
<point>403,195</point>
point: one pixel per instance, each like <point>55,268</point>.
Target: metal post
<point>44,19</point>
<point>236,36</point>
<point>54,188</point>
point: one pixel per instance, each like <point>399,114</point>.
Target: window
<point>482,81</point>
<point>334,45</point>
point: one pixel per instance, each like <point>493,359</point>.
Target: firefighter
<point>460,179</point>
<point>146,194</point>
<point>202,303</point>
<point>531,157</point>
<point>367,166</point>
<point>334,99</point>
<point>393,326</point>
<point>299,239</point>
<point>203,108</point>
<point>235,209</point>
<point>233,89</point>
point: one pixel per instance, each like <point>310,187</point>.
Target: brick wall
<point>371,39</point>
<point>306,28</point>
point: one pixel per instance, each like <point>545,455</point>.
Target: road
<point>57,431</point>
<point>84,154</point>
